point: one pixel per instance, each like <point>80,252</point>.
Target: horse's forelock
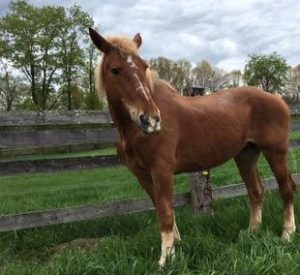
<point>124,44</point>
<point>151,76</point>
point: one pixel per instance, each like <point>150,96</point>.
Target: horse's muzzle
<point>149,124</point>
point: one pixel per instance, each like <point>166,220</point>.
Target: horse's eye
<point>115,71</point>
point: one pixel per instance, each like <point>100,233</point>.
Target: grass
<point>217,244</point>
<point>42,191</point>
<point>295,135</point>
<point>23,193</point>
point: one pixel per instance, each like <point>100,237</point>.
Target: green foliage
<point>44,43</point>
<point>92,102</point>
<point>72,55</point>
<point>76,95</point>
<point>12,89</point>
<point>292,93</point>
<point>266,71</point>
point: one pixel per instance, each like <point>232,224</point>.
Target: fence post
<point>201,189</point>
<point>201,192</point>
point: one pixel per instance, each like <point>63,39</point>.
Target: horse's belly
<point>196,165</point>
<point>195,158</point>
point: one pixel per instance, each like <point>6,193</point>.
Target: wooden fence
<point>82,213</point>
<point>19,130</point>
<point>43,132</point>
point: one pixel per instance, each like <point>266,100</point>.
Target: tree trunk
<point>69,95</point>
<point>33,86</point>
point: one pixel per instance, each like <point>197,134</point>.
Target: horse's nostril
<point>144,120</point>
<point>157,118</point>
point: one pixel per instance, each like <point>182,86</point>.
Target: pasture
<point>217,244</point>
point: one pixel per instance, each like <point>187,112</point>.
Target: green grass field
<point>295,135</point>
<point>218,244</point>
<point>31,192</point>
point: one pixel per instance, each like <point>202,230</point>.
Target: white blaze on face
<point>140,86</point>
<point>135,114</point>
<point>130,61</point>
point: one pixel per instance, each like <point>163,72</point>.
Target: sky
<point>221,32</point>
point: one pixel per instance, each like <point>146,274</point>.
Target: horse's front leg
<point>163,193</point>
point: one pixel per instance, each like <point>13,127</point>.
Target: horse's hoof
<point>287,234</point>
<point>166,257</point>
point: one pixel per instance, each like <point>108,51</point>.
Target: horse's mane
<point>126,46</point>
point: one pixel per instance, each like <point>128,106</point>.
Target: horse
<point>162,133</point>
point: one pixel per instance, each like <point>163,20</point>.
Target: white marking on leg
<point>167,247</point>
<point>255,218</point>
<point>176,231</point>
<point>289,226</point>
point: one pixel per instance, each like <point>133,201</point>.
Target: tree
<point>29,39</point>
<point>45,44</point>
<point>293,84</point>
<point>11,88</point>
<point>177,73</point>
<point>182,79</point>
<point>92,101</point>
<point>208,77</point>
<point>234,79</point>
<point>73,32</point>
<point>266,71</point>
<point>77,96</point>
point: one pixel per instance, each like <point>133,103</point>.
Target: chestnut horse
<point>163,133</point>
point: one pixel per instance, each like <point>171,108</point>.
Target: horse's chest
<point>127,154</point>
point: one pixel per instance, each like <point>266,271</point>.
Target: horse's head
<point>126,79</point>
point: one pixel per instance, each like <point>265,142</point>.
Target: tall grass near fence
<point>216,244</point>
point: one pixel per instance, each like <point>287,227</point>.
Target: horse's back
<point>263,107</point>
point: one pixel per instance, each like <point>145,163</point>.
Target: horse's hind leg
<point>279,165</point>
<point>246,162</point>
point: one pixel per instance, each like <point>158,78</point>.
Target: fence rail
<point>24,133</point>
<point>18,130</point>
<point>82,213</point>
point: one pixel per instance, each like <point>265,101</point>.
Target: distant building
<point>197,91</point>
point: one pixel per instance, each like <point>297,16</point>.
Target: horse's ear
<point>137,40</point>
<point>99,41</point>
